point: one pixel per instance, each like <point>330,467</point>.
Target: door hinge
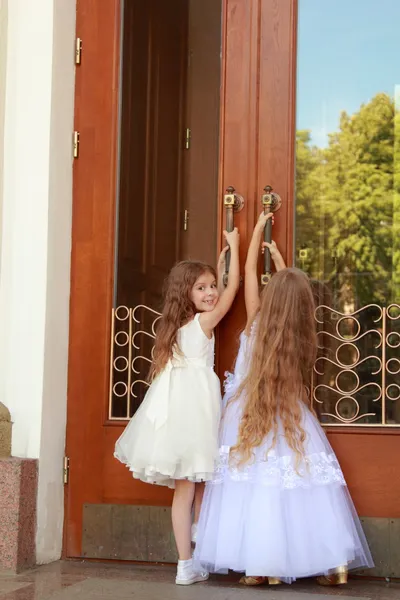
<point>188,137</point>
<point>185,220</point>
<point>78,51</point>
<point>66,470</point>
<point>76,144</point>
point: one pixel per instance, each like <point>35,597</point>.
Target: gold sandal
<point>252,580</point>
<point>338,577</point>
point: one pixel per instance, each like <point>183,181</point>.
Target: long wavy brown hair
<point>178,309</point>
<point>283,355</point>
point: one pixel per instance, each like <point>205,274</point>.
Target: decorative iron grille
<point>132,342</point>
<point>356,377</point>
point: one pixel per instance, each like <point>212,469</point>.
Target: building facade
<point>123,127</point>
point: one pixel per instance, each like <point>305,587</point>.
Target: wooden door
<point>292,33</point>
<point>257,146</point>
<point>108,515</point>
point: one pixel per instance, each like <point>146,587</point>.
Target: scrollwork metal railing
<point>132,343</point>
<point>356,377</point>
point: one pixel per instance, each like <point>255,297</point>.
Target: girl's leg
<point>182,516</point>
<point>182,505</point>
<point>198,499</point>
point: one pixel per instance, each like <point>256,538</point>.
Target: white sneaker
<point>189,578</point>
<point>186,575</point>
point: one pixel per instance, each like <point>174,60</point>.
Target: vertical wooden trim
<point>220,186</point>
<point>291,184</point>
<point>238,141</point>
<point>277,119</point>
<point>92,266</point>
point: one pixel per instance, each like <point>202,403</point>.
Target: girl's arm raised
<point>221,270</point>
<point>275,255</point>
<point>251,284</point>
<point>209,320</point>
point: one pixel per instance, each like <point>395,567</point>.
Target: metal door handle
<point>271,203</point>
<point>233,203</point>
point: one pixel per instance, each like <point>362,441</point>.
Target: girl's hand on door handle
<point>232,237</point>
<point>275,255</point>
<point>273,248</point>
<point>263,218</point>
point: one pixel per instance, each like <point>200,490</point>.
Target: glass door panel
<point>347,202</point>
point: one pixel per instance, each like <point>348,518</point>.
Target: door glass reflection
<point>348,201</point>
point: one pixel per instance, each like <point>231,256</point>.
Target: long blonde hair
<point>283,355</point>
<point>178,309</point>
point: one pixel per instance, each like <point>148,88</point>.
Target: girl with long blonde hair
<point>173,438</point>
<point>278,507</point>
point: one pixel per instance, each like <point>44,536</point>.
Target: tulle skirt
<point>275,518</point>
<point>182,444</point>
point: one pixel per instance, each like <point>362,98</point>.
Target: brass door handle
<point>233,203</point>
<point>271,203</point>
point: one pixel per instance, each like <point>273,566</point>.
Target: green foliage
<point>348,206</point>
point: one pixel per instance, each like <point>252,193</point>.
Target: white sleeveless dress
<point>174,433</point>
<point>269,519</point>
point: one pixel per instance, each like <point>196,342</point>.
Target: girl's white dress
<point>174,433</point>
<point>266,519</point>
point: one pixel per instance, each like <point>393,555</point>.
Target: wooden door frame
<point>92,260</point>
<point>93,227</point>
<point>257,146</point>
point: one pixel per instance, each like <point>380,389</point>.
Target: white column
<point>36,245</point>
<point>3,67</point>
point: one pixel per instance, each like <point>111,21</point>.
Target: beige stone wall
<point>5,432</point>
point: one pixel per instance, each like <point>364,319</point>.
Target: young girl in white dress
<point>278,507</point>
<point>173,438</point>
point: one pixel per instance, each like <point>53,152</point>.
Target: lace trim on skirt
<point>319,468</point>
